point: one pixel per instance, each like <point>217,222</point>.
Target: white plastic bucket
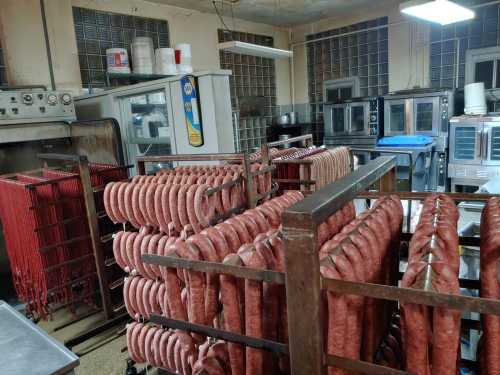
<point>142,55</point>
<point>117,60</point>
<point>165,61</point>
<point>475,99</point>
<point>183,58</point>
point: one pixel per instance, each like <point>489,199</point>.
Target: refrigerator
<point>184,114</point>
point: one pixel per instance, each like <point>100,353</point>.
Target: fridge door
<point>359,119</point>
<point>426,116</point>
<point>397,117</point>
<point>340,119</point>
<point>465,143</point>
<point>491,143</point>
<point>148,130</point>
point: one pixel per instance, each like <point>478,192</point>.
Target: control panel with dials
<point>35,106</point>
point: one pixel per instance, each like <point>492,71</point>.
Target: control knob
<point>52,99</point>
<point>27,98</point>
<point>66,99</point>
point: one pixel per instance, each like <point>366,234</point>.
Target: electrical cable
<point>221,19</point>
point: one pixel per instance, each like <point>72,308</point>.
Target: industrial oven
<point>474,151</point>
<point>34,121</point>
<point>424,112</point>
<point>356,122</point>
<point>178,115</point>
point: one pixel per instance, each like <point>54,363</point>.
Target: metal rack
<point>246,179</point>
<point>112,314</point>
<point>305,182</point>
<point>304,289</point>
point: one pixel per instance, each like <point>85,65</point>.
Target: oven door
<point>359,119</point>
<point>491,144</point>
<point>427,117</point>
<point>340,118</point>
<point>466,143</point>
<point>397,117</point>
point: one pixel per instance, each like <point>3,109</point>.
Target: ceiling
<point>281,12</point>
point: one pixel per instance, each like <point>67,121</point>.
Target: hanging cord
<point>222,19</point>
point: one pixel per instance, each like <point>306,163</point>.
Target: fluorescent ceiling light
<point>255,50</point>
<point>443,12</point>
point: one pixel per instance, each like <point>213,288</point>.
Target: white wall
<point>26,56</point>
<point>408,49</point>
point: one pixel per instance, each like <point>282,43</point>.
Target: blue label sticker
<point>191,109</point>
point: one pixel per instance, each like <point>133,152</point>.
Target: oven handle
<point>479,143</point>
<point>484,149</point>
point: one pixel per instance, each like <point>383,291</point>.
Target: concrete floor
<point>106,358</point>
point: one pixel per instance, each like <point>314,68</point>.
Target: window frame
<point>341,83</point>
<point>474,56</point>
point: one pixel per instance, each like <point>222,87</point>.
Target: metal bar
<point>62,157</point>
<point>63,243</point>
<point>226,215</point>
<point>319,206</point>
<point>74,281</point>
<point>62,222</point>
<point>295,181</point>
<point>95,236</point>
<point>72,261</point>
<point>107,238</point>
<point>416,296</point>
<point>293,161</point>
<point>212,267</point>
<point>110,262</point>
<point>274,189</point>
<point>116,284</point>
<point>300,138</point>
<point>463,283</point>
<point>419,196</point>
<point>75,320</point>
<point>51,182</point>
<point>112,169</point>
<point>96,330</point>
<point>247,172</point>
<point>464,241</point>
<point>361,366</point>
<point>252,342</point>
<point>81,298</point>
<point>191,157</point>
<point>265,170</point>
<point>227,185</point>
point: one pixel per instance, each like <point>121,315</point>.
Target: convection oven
<point>474,150</point>
<point>356,121</point>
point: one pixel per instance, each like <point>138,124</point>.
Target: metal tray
<point>26,349</point>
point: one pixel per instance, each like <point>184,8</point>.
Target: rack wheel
<point>131,370</point>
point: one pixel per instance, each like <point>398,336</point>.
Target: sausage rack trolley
<point>305,285</point>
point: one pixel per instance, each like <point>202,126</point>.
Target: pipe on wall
<point>47,45</point>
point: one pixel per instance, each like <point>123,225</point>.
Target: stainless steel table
<point>25,349</point>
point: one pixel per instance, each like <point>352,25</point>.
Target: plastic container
<point>142,55</point>
<point>183,58</point>
<point>475,99</point>
<point>117,60</point>
<point>165,61</point>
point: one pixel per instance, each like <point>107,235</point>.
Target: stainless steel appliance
<point>156,118</point>
<point>354,118</point>
<point>32,105</point>
<point>356,122</point>
<point>423,112</point>
<point>474,151</point>
<point>419,112</point>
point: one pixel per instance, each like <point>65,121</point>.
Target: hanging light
<point>255,50</point>
<point>443,12</point>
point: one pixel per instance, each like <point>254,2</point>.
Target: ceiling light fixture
<point>255,50</point>
<point>443,12</point>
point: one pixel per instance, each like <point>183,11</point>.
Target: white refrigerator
<point>178,115</point>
